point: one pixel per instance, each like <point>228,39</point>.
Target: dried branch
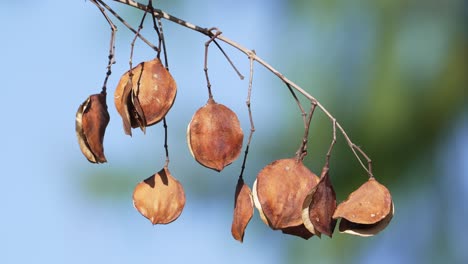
<point>252,126</point>
<point>302,151</point>
<point>111,46</point>
<point>251,55</point>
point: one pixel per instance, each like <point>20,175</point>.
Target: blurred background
<point>394,73</point>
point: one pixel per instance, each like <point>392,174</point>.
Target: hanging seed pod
<point>367,211</point>
<point>145,98</point>
<point>160,198</point>
<point>257,204</point>
<point>300,231</point>
<point>90,125</point>
<point>214,136</point>
<point>281,188</point>
<point>243,210</point>
<point>319,206</point>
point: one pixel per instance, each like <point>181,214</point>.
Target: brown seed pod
<point>160,198</point>
<point>243,210</point>
<point>281,188</point>
<point>367,211</point>
<point>145,99</point>
<point>319,206</point>
<point>214,136</point>
<point>300,231</point>
<point>257,204</point>
<point>90,125</point>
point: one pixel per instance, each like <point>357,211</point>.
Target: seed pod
<point>319,206</point>
<point>281,188</point>
<point>214,136</point>
<point>300,231</point>
<point>145,99</point>
<point>90,125</point>
<point>367,211</point>
<point>257,204</point>
<point>160,198</point>
<point>243,210</point>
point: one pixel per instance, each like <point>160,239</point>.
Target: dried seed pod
<point>160,198</point>
<point>90,125</point>
<point>146,97</point>
<point>367,211</point>
<point>257,204</point>
<point>243,210</point>
<point>214,136</point>
<point>319,206</point>
<point>281,188</point>
<point>300,231</point>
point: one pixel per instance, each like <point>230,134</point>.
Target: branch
<point>252,55</point>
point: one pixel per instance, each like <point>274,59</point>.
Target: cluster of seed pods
<point>288,196</point>
<point>291,198</point>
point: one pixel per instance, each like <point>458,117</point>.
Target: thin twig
<point>332,143</point>
<point>302,151</point>
<point>303,113</point>
<point>128,25</point>
<point>111,47</point>
<point>162,46</point>
<point>155,27</point>
<point>207,32</point>
<point>166,146</point>
<point>163,41</point>
<point>205,68</point>
<point>252,126</point>
<point>229,60</point>
<point>132,45</point>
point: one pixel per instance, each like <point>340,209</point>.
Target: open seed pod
<point>90,125</point>
<point>367,211</point>
<point>160,198</point>
<point>300,230</point>
<point>280,190</point>
<point>319,206</point>
<point>146,98</point>
<point>214,136</point>
<point>243,210</point>
<point>257,204</point>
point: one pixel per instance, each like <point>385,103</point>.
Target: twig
<point>205,68</point>
<point>252,127</point>
<point>111,47</point>
<point>332,143</point>
<point>166,147</point>
<point>126,24</point>
<point>132,45</point>
<point>248,52</point>
<point>302,151</point>
<point>303,113</point>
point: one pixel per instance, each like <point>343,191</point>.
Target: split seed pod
<point>160,198</point>
<point>90,125</point>
<point>319,206</point>
<point>214,136</point>
<point>145,99</point>
<point>367,211</point>
<point>300,231</point>
<point>280,190</point>
<point>243,210</point>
